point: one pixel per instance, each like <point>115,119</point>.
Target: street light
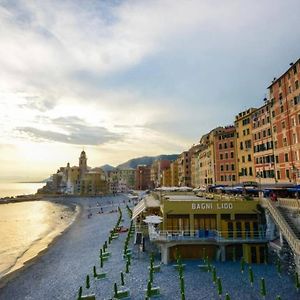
<point>259,187</point>
<point>141,179</point>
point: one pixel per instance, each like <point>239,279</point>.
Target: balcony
<point>209,236</point>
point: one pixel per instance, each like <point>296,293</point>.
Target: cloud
<point>37,103</point>
<point>72,130</point>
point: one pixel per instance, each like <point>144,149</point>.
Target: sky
<point>123,79</point>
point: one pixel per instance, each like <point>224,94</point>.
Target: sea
<point>27,228</point>
<point>12,189</point>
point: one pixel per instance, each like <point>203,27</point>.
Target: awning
<point>138,209</point>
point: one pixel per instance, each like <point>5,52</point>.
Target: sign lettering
<point>205,206</point>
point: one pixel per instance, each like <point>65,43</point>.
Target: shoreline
<point>21,265</point>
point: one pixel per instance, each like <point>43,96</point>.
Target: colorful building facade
<point>244,146</point>
<point>285,102</point>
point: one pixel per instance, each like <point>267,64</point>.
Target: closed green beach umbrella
<point>263,287</point>
<point>242,264</point>
<point>227,297</point>
<point>115,290</point>
<point>219,286</point>
<point>251,276</point>
<point>79,293</point>
<point>87,281</point>
<point>297,282</point>
<point>214,275</point>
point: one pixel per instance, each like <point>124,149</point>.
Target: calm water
<point>8,189</point>
<point>26,228</point>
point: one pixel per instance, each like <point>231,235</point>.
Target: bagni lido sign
<point>205,206</point>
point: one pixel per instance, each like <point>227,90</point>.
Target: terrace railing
<point>286,230</point>
<point>209,236</point>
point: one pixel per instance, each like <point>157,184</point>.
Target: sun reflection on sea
<point>23,225</point>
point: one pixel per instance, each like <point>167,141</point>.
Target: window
<point>284,141</point>
<point>286,157</point>
<point>233,177</point>
<point>225,145</point>
<point>255,137</point>
<point>221,156</point>
<point>269,131</point>
<point>222,168</point>
<point>287,173</point>
<point>222,178</point>
<point>294,138</point>
<point>244,132</point>
<point>295,69</point>
<point>243,159</point>
<point>241,146</point>
<point>248,144</point>
<point>231,144</point>
<point>249,157</point>
<point>276,159</point>
<point>250,171</point>
<point>297,84</point>
<point>226,155</point>
<point>232,167</point>
<point>220,146</point>
<point>283,125</point>
<point>264,133</point>
<point>248,131</point>
<point>278,174</point>
<point>231,155</point>
<point>227,167</point>
<point>274,129</point>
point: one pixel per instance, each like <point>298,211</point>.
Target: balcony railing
<point>209,236</point>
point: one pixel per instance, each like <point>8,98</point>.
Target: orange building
<point>225,156</point>
<point>142,177</point>
<point>285,102</point>
<point>184,169</point>
<point>264,161</point>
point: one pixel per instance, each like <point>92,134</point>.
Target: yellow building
<point>166,177</point>
<point>93,183</point>
<point>174,173</point>
<point>244,147</point>
<point>221,228</point>
<point>206,159</point>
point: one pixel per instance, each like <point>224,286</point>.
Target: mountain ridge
<point>143,160</point>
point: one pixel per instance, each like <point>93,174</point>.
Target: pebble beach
<point>62,269</point>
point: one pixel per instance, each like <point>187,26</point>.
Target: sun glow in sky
<point>130,78</point>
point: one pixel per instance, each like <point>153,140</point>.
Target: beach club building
<point>222,228</point>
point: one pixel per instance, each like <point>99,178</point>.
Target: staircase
<point>285,213</point>
<point>287,227</point>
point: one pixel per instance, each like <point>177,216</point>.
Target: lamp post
<point>141,179</point>
<point>295,172</point>
<point>259,185</point>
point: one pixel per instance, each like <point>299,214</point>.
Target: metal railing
<point>286,230</point>
<point>209,235</point>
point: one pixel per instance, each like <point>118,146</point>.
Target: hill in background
<point>146,160</point>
